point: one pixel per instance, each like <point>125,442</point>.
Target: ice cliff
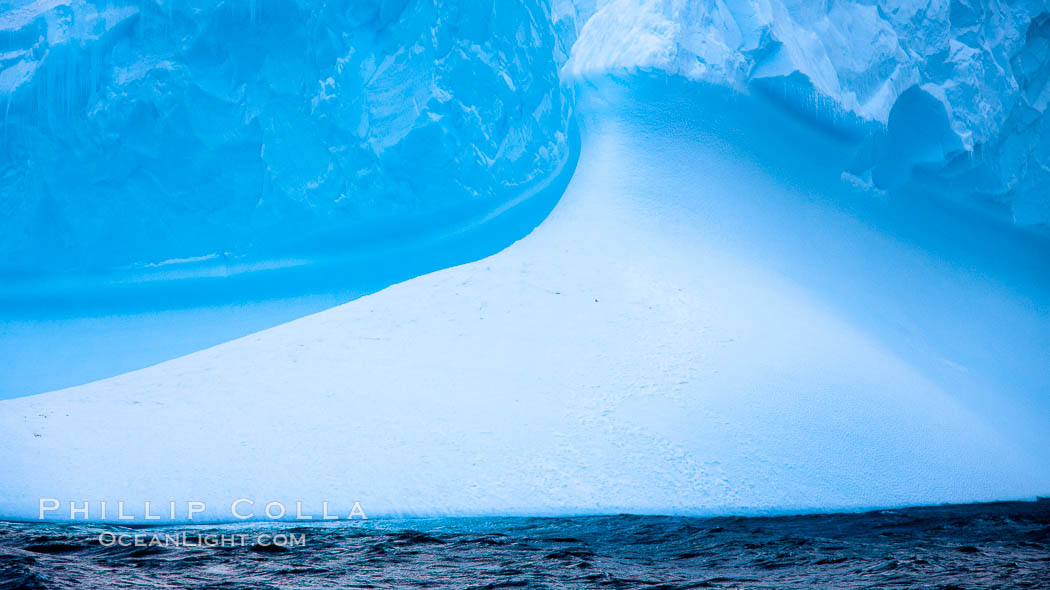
<point>957,89</point>
<point>141,131</point>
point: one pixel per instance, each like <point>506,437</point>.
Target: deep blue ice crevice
<point>139,131</point>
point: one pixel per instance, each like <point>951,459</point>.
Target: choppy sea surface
<point>997,545</point>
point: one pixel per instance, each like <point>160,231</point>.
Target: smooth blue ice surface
<point>74,329</point>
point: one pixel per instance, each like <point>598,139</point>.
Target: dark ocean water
<point>1000,545</point>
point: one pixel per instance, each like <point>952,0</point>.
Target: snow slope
<point>708,322</point>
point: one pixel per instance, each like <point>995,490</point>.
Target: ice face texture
<point>958,88</point>
<point>141,131</point>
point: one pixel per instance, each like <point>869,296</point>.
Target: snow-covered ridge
<point>138,131</point>
<point>959,88</point>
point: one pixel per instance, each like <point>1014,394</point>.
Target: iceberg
<point>799,266</point>
<point>699,327</point>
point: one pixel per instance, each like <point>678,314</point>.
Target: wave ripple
<point>959,546</point>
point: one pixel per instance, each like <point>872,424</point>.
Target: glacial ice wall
<point>138,131</point>
<point>955,88</point>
